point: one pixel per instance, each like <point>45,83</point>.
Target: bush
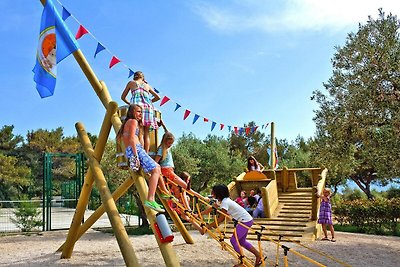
<point>377,216</point>
<point>27,216</point>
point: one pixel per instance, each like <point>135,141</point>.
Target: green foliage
<point>8,141</point>
<point>209,161</point>
<point>358,122</point>
<point>27,216</point>
<point>352,194</point>
<point>393,192</point>
<point>14,179</point>
<point>376,216</point>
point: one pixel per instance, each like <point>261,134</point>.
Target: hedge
<point>371,216</point>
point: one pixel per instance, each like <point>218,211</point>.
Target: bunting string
<point>82,31</point>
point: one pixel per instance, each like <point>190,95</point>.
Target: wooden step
<point>298,216</point>
<point>282,223</point>
<point>287,219</point>
<point>299,207</point>
<point>295,212</point>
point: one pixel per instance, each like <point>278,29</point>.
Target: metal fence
<point>61,214</point>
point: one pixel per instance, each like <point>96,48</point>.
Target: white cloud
<point>291,15</point>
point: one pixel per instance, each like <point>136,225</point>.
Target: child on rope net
<point>130,133</point>
<point>239,214</point>
<point>164,158</point>
<point>325,214</point>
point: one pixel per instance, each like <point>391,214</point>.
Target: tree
<point>8,141</point>
<point>14,179</point>
<point>358,123</point>
<point>250,142</point>
<point>52,141</point>
<point>209,161</point>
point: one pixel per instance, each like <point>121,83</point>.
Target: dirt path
<point>100,249</point>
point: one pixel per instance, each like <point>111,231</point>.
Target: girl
<point>164,158</point>
<point>254,165</point>
<point>242,199</point>
<point>325,213</point>
<point>230,207</point>
<point>130,132</point>
<point>141,92</point>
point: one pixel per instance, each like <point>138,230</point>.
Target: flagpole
<point>273,144</point>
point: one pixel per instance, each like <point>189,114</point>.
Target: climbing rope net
<point>199,204</point>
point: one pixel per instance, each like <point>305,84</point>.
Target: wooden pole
<point>107,200</point>
<point>273,145</point>
<point>83,200</point>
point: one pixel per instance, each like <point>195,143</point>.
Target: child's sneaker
<point>164,195</point>
<point>154,205</point>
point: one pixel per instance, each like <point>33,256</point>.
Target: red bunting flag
<point>164,100</point>
<point>247,130</point>
<point>205,120</point>
<point>236,129</point>
<point>114,61</point>
<point>81,32</point>
<point>221,126</point>
<point>187,112</point>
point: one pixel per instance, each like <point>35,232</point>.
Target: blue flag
<point>54,36</point>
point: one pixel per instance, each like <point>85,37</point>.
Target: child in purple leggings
<point>238,213</point>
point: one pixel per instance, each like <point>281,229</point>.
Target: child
<point>325,214</point>
<point>242,199</point>
<point>259,210</point>
<point>238,213</point>
<point>164,158</point>
<point>130,132</point>
<point>254,165</point>
<point>141,92</point>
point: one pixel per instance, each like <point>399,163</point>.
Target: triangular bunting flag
<point>177,107</point>
<point>196,117</point>
<point>247,130</point>
<point>99,48</point>
<point>213,125</point>
<point>65,14</point>
<point>205,120</point>
<point>114,60</point>
<point>229,128</point>
<point>235,129</point>
<point>131,72</point>
<point>187,112</point>
<point>254,129</point>
<point>164,100</point>
<point>81,32</point>
<point>221,126</point>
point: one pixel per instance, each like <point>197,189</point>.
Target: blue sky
<point>229,61</point>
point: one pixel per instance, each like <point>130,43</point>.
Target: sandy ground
<point>100,249</point>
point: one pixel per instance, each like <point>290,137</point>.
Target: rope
<point>200,220</point>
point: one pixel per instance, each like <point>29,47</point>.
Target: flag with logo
<point>55,43</point>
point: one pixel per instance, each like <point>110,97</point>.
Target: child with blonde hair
<point>164,158</point>
<point>325,213</point>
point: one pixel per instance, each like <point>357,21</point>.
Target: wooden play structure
<point>291,211</point>
<point>285,203</point>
